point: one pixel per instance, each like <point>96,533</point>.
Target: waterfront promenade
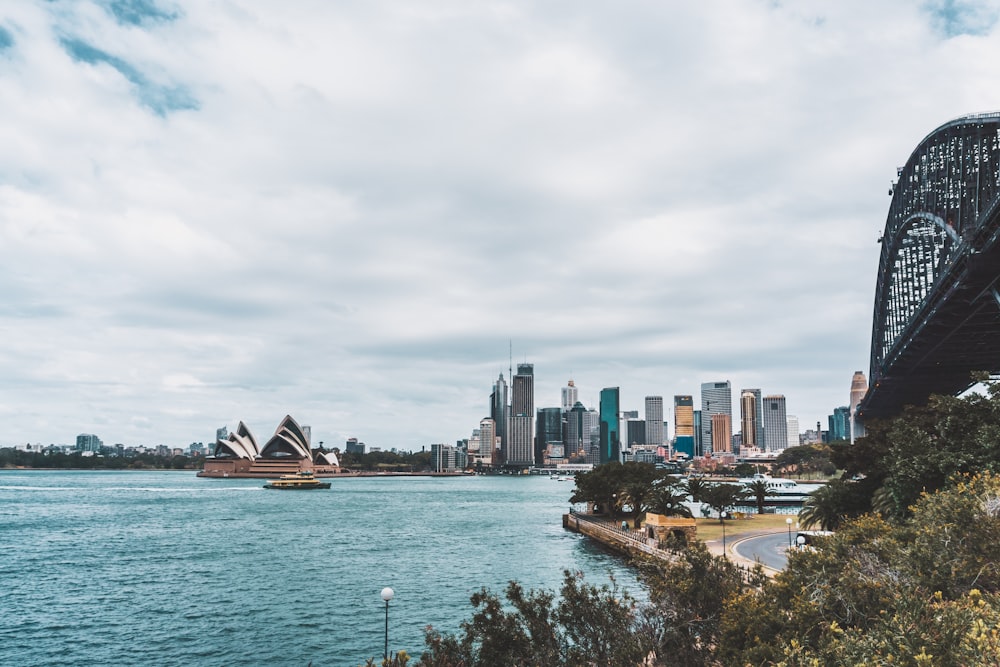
<point>635,543</point>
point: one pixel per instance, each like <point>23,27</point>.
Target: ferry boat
<point>781,491</point>
<point>300,481</point>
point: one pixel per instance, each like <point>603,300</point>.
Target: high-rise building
<point>307,433</point>
<point>352,446</point>
<point>635,433</point>
<point>716,399</point>
<point>521,447</point>
<point>488,441</point>
<point>88,442</point>
<point>840,424</point>
<point>610,429</point>
<point>748,419</point>
<point>577,439</point>
<point>549,431</point>
<point>569,398</point>
<point>722,433</point>
<point>500,413</point>
<point>775,424</point>
<point>793,430</point>
<point>684,425</point>
<point>221,434</point>
<point>654,421</point>
<point>759,417</point>
<point>859,387</point>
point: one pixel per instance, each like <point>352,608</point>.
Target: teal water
<point>163,568</point>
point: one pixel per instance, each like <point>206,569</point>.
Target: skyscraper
<point>610,429</point>
<point>500,413</point>
<point>716,399</point>
<point>748,419</point>
<point>859,387</point>
<point>684,425</point>
<point>487,441</point>
<point>521,450</point>
<point>759,418</point>
<point>577,439</point>
<point>775,424</point>
<point>569,398</point>
<point>840,424</point>
<point>635,433</point>
<point>654,421</point>
<point>550,429</point>
<point>792,430</point>
<point>722,433</point>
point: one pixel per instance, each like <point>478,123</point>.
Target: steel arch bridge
<point>937,304</point>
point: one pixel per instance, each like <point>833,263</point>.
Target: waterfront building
<point>716,399</point>
<point>840,424</point>
<point>859,387</point>
<point>549,430</point>
<point>654,421</point>
<point>500,413</point>
<point>489,441</point>
<point>287,452</point>
<point>88,442</point>
<point>444,458</point>
<point>520,448</point>
<point>722,434</point>
<point>775,424</point>
<point>793,431</point>
<point>610,428</point>
<point>355,447</point>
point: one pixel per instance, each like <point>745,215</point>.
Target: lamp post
<point>387,594</point>
<point>723,516</point>
<point>789,522</point>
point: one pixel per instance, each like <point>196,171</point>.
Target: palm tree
<point>825,507</point>
<point>668,500</point>
<point>694,487</point>
<point>758,490</point>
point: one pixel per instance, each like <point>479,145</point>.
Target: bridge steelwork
<point>937,304</point>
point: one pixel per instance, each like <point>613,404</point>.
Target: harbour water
<point>163,568</point>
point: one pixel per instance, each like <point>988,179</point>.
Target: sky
<point>361,213</point>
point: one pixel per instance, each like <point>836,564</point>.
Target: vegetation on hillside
<point>911,577</point>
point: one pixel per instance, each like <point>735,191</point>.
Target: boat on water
<point>300,481</point>
<point>781,491</point>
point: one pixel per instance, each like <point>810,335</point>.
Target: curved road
<point>768,550</point>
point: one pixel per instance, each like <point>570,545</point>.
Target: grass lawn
<point>710,529</point>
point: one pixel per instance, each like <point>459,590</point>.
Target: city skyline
<point>357,212</point>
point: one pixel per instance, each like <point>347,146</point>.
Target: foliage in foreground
<point>918,593</point>
<point>591,625</point>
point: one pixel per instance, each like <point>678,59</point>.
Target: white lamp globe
<point>387,593</point>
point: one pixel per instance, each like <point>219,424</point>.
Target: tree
<point>588,625</point>
<point>613,485</point>
<point>722,497</point>
<point>668,498</point>
<point>694,486</point>
<point>757,489</point>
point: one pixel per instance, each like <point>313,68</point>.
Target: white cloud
<point>363,203</point>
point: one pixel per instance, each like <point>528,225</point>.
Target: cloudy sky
<point>351,211</point>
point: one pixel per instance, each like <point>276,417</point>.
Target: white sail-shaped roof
<point>288,440</point>
<point>327,458</point>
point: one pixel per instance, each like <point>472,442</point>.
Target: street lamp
<point>789,522</point>
<point>801,541</point>
<point>723,516</point>
<point>387,594</point>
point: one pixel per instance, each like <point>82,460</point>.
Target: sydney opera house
<point>287,452</point>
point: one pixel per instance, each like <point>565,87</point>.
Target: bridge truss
<point>937,303</point>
